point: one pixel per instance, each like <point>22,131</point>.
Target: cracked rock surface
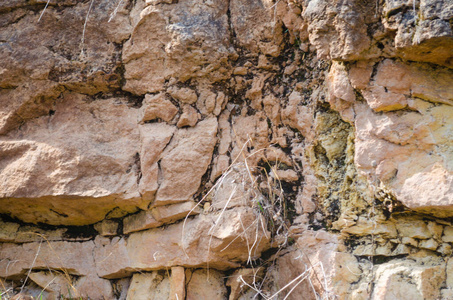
<point>189,149</point>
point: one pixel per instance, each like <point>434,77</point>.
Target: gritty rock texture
<point>164,149</point>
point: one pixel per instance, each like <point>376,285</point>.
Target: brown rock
<point>148,286</point>
<point>189,117</point>
<point>27,234</point>
<point>187,244</point>
<point>255,27</point>
<point>158,47</point>
<point>237,279</point>
<point>177,283</point>
<point>37,65</point>
<point>208,284</point>
<point>154,138</point>
<point>93,287</point>
<point>140,221</point>
<point>54,282</point>
<point>74,257</point>
<point>184,162</point>
<point>157,107</point>
<point>174,212</point>
<point>72,160</point>
<point>185,95</point>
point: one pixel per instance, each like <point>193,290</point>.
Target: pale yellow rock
<point>107,227</point>
<point>445,249</point>
<point>410,241</point>
<point>448,234</point>
<point>8,231</point>
<point>413,229</point>
<point>449,272</point>
<point>177,283</point>
<point>436,229</point>
<point>203,284</point>
<point>401,249</point>
<point>430,244</point>
<point>149,286</point>
<point>446,293</point>
<point>365,226</point>
<point>140,221</point>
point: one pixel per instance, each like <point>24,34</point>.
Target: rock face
<point>237,149</point>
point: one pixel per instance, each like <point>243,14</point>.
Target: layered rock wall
<point>239,149</point>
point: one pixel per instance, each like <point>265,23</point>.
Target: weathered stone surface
<point>140,221</point>
<point>237,279</point>
<point>8,231</point>
<point>157,107</point>
<point>40,59</point>
<point>92,287</point>
<point>53,282</point>
<point>76,180</point>
<point>316,266</point>
<point>184,95</point>
<point>367,227</point>
<point>207,284</point>
<point>173,212</point>
<point>154,138</point>
<point>392,281</point>
<point>147,286</point>
<point>107,228</point>
<point>184,162</point>
<point>75,258</point>
<point>198,242</point>
<point>189,117</point>
<point>170,44</point>
<point>177,283</point>
<point>387,145</point>
<point>326,122</point>
<point>114,252</point>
